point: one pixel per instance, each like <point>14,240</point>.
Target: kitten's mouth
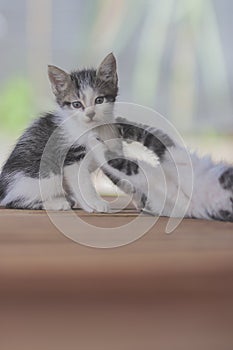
<point>91,121</point>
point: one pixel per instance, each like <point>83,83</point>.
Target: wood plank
<point>160,292</point>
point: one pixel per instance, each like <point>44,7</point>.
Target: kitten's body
<point>182,185</point>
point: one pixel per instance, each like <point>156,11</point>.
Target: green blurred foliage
<point>16,104</point>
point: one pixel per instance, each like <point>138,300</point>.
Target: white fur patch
<point>80,187</point>
<point>30,189</point>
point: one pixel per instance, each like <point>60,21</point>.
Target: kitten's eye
<point>99,100</point>
<point>77,104</point>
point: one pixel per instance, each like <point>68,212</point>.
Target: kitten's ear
<point>59,79</point>
<point>107,69</point>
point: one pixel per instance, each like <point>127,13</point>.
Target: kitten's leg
<point>152,138</point>
<point>58,203</point>
<point>80,187</point>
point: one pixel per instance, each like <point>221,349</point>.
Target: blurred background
<point>175,56</point>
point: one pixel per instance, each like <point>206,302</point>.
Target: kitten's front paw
<point>56,204</point>
<point>101,206</point>
<point>82,205</point>
<point>98,205</point>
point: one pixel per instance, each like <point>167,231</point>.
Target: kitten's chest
<point>109,134</point>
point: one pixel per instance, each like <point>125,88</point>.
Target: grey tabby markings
<point>226,179</point>
<point>154,139</point>
<point>124,165</point>
<point>78,81</point>
<point>75,154</point>
<point>222,215</point>
<point>4,182</point>
<point>18,204</point>
<point>88,78</point>
<point>26,155</point>
<point>157,141</point>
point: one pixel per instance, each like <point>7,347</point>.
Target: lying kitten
<point>48,156</point>
<point>155,189</point>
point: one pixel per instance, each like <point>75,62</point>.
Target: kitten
<point>155,189</point>
<point>51,164</point>
<point>43,169</point>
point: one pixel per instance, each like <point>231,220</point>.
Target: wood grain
<point>160,292</point>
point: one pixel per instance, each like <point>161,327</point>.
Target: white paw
<point>100,206</point>
<point>56,204</point>
<point>83,205</point>
<point>97,205</point>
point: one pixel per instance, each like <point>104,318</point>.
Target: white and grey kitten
<point>44,169</point>
<point>51,164</point>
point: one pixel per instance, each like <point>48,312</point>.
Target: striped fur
<point>211,196</point>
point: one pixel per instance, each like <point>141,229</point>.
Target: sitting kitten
<point>48,156</point>
<point>59,151</point>
<point>155,189</point>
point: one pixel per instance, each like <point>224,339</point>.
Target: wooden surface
<point>160,292</point>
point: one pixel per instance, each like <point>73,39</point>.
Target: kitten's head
<point>87,94</point>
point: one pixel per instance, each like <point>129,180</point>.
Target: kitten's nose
<point>90,114</point>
